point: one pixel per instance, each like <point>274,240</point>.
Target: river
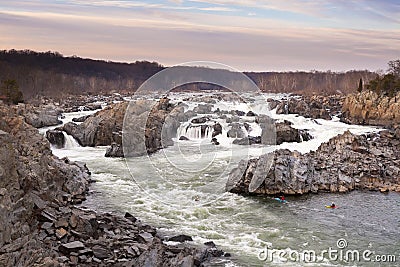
<point>190,199</point>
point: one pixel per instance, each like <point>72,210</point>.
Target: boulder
<point>104,128</point>
<point>203,109</point>
<point>200,120</point>
<point>268,133</point>
<point>217,129</point>
<point>214,141</point>
<point>115,150</point>
<point>236,131</point>
<point>272,103</point>
<point>232,119</point>
<point>286,133</point>
<point>56,138</point>
<point>238,113</point>
<point>70,247</point>
<point>80,119</point>
<point>251,114</point>
<point>42,116</point>
<point>101,252</point>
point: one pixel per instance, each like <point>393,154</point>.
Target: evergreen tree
<point>10,89</point>
<point>360,86</point>
<point>388,84</point>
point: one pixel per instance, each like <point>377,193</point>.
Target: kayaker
<point>333,205</point>
<point>282,198</point>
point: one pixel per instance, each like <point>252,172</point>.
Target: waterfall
<point>70,141</point>
<point>191,131</point>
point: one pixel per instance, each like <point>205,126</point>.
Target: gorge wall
<point>371,108</point>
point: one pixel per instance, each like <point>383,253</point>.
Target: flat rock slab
<point>101,252</point>
<point>71,247</point>
<point>145,237</point>
<point>180,238</point>
<point>60,233</point>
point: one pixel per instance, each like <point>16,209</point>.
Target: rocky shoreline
<point>41,226</point>
<point>372,163</point>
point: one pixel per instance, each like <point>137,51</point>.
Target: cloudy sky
<point>254,35</point>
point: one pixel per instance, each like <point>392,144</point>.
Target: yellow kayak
<point>330,207</point>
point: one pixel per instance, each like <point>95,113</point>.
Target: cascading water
<point>194,132</point>
<point>70,141</point>
<point>240,225</point>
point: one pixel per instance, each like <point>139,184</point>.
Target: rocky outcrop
<point>56,138</point>
<point>42,116</point>
<point>114,151</point>
<point>80,119</point>
<point>200,120</point>
<point>98,129</point>
<point>40,226</point>
<point>272,103</point>
<point>30,179</point>
<point>104,128</point>
<point>315,107</point>
<point>286,133</point>
<point>159,126</point>
<point>217,129</point>
<point>75,103</point>
<point>250,140</point>
<point>370,108</point>
<point>345,163</point>
<point>236,131</point>
<point>203,109</point>
<point>397,131</point>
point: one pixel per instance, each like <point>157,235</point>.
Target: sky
<point>248,35</point>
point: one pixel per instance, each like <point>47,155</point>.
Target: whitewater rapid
<point>240,225</point>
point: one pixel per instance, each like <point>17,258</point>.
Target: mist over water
<point>190,198</point>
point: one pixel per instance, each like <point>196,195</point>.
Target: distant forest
<point>51,74</point>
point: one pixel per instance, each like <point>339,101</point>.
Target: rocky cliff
<point>345,163</point>
<point>30,178</point>
<point>370,108</point>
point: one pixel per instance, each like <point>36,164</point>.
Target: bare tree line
<point>53,75</point>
